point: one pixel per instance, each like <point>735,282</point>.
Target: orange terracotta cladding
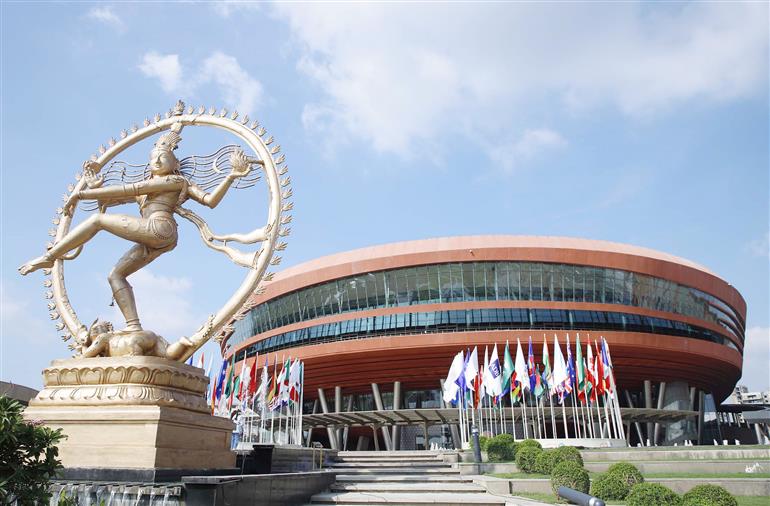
<point>504,248</point>
<point>419,360</point>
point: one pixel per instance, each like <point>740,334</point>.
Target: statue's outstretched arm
<point>241,166</point>
<point>118,193</point>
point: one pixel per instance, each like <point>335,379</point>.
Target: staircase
<point>402,477</point>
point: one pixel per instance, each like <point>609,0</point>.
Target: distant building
<point>377,327</point>
<point>20,393</point>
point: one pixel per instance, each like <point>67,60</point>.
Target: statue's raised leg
<point>131,228</point>
<point>134,259</point>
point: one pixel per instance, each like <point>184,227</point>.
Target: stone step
<point>397,470</point>
<point>413,487</point>
<point>398,453</point>
<point>442,499</point>
<point>690,466</point>
<point>401,478</point>
<point>391,464</point>
<point>392,458</point>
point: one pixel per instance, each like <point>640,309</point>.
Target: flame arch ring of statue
<point>278,191</point>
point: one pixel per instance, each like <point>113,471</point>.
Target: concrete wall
<point>260,489</point>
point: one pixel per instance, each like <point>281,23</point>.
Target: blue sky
<point>638,123</point>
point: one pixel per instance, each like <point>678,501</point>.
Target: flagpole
<point>553,419</point>
<point>614,389</point>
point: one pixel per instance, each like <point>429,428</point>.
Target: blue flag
<point>221,379</point>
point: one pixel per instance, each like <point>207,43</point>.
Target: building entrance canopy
<point>452,416</point>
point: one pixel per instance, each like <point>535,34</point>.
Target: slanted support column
<point>396,445</point>
<point>661,396</point>
<point>425,434</point>
<point>338,409</point>
<point>637,426</point>
<point>376,438</point>
<point>345,433</point>
<point>329,430</point>
<point>381,407</point>
<point>648,405</point>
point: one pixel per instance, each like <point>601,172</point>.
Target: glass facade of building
<point>478,320</point>
<point>487,281</point>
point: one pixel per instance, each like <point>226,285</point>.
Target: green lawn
<point>592,474</point>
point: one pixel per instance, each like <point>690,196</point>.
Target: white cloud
<point>166,68</point>
<point>760,247</point>
<point>105,14</point>
<point>530,145</point>
<point>235,85</point>
<point>25,333</point>
<point>756,357</point>
<point>401,76</point>
<point>163,303</point>
<point>225,8</point>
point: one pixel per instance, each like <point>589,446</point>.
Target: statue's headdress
<point>169,141</point>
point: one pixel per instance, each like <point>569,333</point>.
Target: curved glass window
<point>482,319</point>
<point>486,281</point>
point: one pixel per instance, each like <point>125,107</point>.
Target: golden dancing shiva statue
<point>161,188</point>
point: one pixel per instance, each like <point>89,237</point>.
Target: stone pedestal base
<point>132,413</point>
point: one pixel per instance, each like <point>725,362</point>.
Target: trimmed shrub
<point>646,494</point>
<point>546,461</point>
<point>568,453</point>
<point>483,443</point>
<point>529,443</point>
<point>708,495</point>
<point>570,474</point>
<point>526,457</point>
<point>501,448</point>
<point>626,472</point>
<point>549,459</point>
<point>609,487</point>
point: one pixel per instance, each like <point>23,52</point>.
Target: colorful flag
<point>600,384</point>
<point>539,390</point>
<point>450,383</point>
<point>547,376</point>
<point>531,366</point>
<point>219,381</point>
<point>520,372</point>
<point>471,367</point>
<point>591,372</point>
<point>202,361</point>
<point>581,373</point>
<point>252,390</point>
<point>295,373</point>
<point>570,367</point>
<point>607,369</point>
<point>273,386</point>
<point>560,374</point>
<point>495,378</point>
<point>507,370</point>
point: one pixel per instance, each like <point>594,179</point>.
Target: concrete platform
<point>401,478</point>
<point>432,487</point>
<point>444,499</point>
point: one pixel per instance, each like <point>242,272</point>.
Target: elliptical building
<point>377,327</point>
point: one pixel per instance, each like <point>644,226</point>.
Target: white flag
<point>495,374</point>
<point>487,378</point>
<point>560,374</point>
<point>450,384</point>
<point>472,369</point>
<point>520,368</point>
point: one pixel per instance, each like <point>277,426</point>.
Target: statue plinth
<point>143,413</point>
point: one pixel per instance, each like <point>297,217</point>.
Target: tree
<point>28,456</point>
